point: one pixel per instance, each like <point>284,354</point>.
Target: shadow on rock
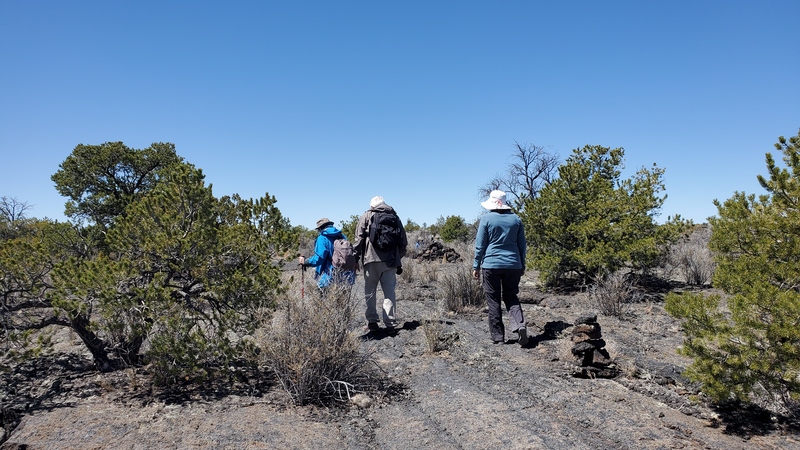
<point>42,384</point>
<point>243,381</point>
<point>382,333</point>
<point>550,332</point>
<point>749,420</point>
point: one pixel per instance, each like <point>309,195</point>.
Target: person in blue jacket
<point>322,260</point>
<point>500,256</point>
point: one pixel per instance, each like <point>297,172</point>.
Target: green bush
<point>348,227</point>
<point>590,222</point>
<point>745,348</point>
<point>167,273</point>
<point>454,229</point>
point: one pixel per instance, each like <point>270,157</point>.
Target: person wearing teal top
<point>500,257</point>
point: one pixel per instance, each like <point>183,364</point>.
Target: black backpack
<point>385,231</point>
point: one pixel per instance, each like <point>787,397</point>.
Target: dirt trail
<point>473,395</point>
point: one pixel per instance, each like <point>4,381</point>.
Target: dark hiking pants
<point>502,284</point>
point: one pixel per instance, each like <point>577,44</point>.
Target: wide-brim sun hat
<point>496,200</point>
<point>322,223</point>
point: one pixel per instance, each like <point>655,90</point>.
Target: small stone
<point>583,347</point>
<point>586,318</point>
<point>361,400</point>
<point>591,330</point>
<point>580,337</point>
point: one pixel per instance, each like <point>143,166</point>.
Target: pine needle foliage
<point>751,351</point>
<point>590,222</point>
<point>164,273</point>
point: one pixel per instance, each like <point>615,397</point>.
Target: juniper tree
<point>751,352</point>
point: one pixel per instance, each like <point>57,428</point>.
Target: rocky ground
<point>472,394</point>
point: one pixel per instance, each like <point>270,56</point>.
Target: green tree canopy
<point>175,279</point>
<point>454,229</point>
<point>590,222</point>
<point>750,352</point>
<point>184,271</point>
<point>101,180</point>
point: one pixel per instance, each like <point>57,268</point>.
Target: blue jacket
<point>500,242</point>
<point>322,260</point>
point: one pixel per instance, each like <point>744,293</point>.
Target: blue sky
<point>326,104</point>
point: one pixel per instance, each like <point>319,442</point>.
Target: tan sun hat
<point>322,223</point>
<point>496,200</point>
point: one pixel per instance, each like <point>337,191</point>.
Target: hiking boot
<point>523,336</point>
<point>501,341</point>
<point>372,326</point>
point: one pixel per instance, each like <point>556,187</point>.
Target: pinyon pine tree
<point>590,222</point>
<point>752,351</point>
<point>164,273</point>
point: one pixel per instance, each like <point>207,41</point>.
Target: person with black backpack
<point>334,259</point>
<point>380,244</point>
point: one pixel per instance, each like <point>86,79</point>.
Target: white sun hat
<point>496,200</point>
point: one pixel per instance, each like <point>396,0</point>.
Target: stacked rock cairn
<point>436,251</point>
<point>593,360</point>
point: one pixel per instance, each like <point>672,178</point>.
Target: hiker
<point>326,273</point>
<point>500,256</point>
<point>380,244</point>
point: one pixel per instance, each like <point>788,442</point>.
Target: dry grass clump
<point>437,336</point>
<point>430,272</point>
<point>460,292</point>
<point>692,258</point>
<point>410,271</point>
<point>433,330</point>
<point>427,272</point>
<point>613,294</point>
<point>310,348</point>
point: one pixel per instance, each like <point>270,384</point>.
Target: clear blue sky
<point>325,104</point>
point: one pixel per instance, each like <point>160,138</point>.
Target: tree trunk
<point>96,346</point>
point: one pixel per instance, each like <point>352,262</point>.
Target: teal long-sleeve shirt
<point>500,242</point>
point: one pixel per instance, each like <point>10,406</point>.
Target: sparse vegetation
<point>183,287</point>
<point>612,294</point>
<point>433,330</point>
<point>460,291</point>
<point>310,347</point>
<point>692,258</point>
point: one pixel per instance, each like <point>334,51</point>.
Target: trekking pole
<point>302,281</point>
